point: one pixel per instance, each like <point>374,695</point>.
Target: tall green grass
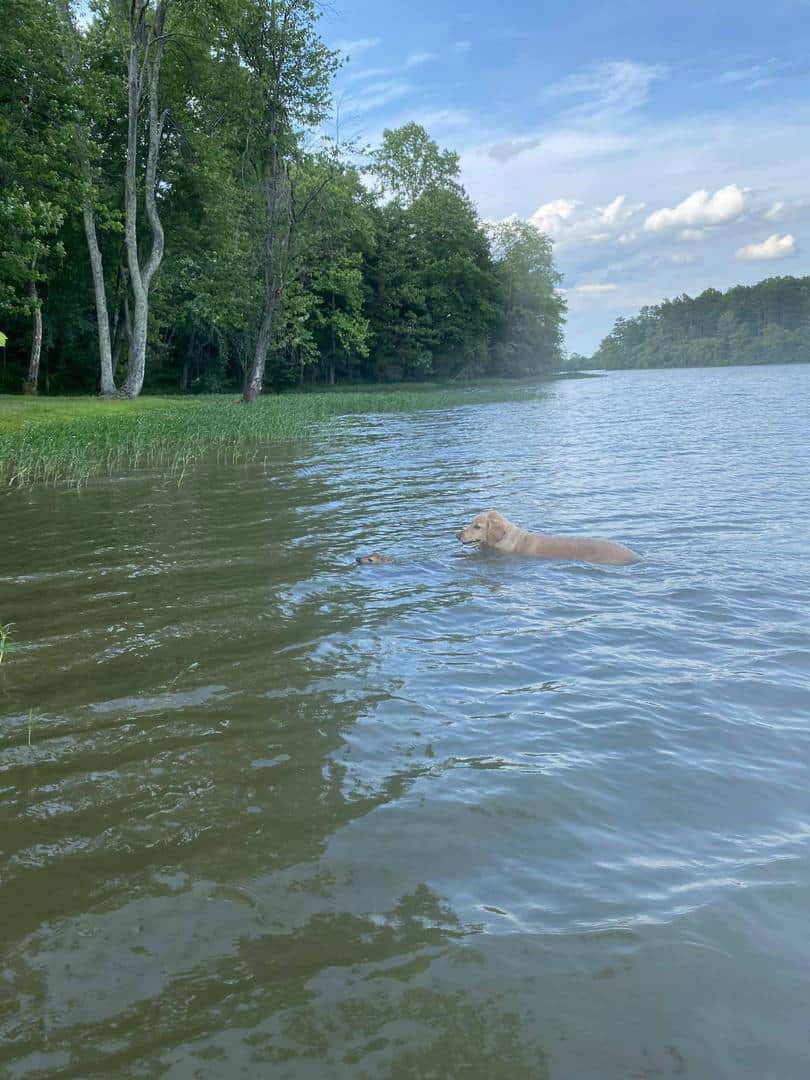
<point>70,440</point>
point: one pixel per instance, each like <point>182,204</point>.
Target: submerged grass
<point>5,639</point>
<point>70,440</point>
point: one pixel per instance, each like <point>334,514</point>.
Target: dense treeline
<point>173,217</point>
<point>768,323</point>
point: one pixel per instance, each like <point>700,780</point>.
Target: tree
<point>178,144</point>
<point>764,323</point>
<point>37,181</point>
<point>409,163</point>
<point>531,311</point>
<point>146,45</point>
<point>335,239</point>
<point>434,288</point>
<point>281,73</point>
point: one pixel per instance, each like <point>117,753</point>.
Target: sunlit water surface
<point>264,812</point>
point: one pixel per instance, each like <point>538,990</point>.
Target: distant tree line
<point>173,217</point>
<point>768,323</point>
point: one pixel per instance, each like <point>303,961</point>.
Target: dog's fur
<point>492,530</point>
<point>374,557</point>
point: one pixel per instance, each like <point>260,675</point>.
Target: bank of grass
<point>70,440</point>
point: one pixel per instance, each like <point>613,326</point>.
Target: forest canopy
<point>768,323</point>
<point>175,216</point>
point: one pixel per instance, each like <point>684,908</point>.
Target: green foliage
<point>408,163</point>
<point>388,280</point>
<point>768,323</point>
<point>38,179</point>
<point>531,313</point>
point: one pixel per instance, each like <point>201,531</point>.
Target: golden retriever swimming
<point>492,530</point>
<point>374,557</point>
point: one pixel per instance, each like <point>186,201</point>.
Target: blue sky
<point>664,147</point>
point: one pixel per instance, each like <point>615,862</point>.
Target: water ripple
<point>264,808</point>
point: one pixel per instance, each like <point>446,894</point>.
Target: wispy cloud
<point>699,208</point>
<point>775,211</point>
<point>417,59</point>
<point>439,118</point>
<point>754,76</point>
<point>375,95</point>
<point>588,288</point>
<point>368,73</point>
<point>775,247</point>
<point>614,87</point>
<point>357,46</point>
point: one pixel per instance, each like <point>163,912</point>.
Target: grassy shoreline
<point>70,440</point>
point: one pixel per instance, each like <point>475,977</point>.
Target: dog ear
<point>496,527</point>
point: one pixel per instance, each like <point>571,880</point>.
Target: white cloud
<point>775,211</point>
<point>684,258</point>
<point>551,216</point>
<point>742,74</point>
<point>415,59</point>
<point>593,289</point>
<point>618,212</point>
<point>616,86</point>
<point>368,73</point>
<point>355,47</point>
<point>448,119</point>
<point>760,145</point>
<point>699,208</point>
<point>376,94</point>
<point>775,247</point>
<point>570,221</point>
<point>755,75</point>
<point>690,235</point>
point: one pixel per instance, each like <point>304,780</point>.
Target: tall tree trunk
<point>107,382</point>
<point>334,349</point>
<point>123,326</point>
<point>143,40</point>
<point>36,340</point>
<point>254,378</point>
<point>277,248</point>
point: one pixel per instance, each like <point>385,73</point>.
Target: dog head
<point>487,528</point>
<point>374,557</point>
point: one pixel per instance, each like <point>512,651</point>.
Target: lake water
<point>264,812</point>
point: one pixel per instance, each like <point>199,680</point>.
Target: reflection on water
<point>262,808</point>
